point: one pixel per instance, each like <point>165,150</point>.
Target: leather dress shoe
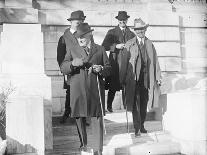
<point>98,153</point>
<point>137,133</point>
<point>65,116</point>
<point>143,130</point>
<point>109,109</point>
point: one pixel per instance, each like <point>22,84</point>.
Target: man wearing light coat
<point>143,76</point>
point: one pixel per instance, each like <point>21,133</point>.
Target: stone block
<point>50,50</point>
<point>50,36</point>
<point>49,28</point>
<point>56,105</point>
<point>18,4</point>
<point>54,17</point>
<point>48,127</point>
<point>167,49</point>
<point>163,33</point>
<point>53,73</point>
<point>91,5</point>
<point>163,18</point>
<point>194,51</point>
<point>57,89</point>
<point>194,36</point>
<point>99,34</point>
<point>195,64</point>
<point>51,64</point>
<point>25,131</point>
<point>2,4</point>
<point>170,63</point>
<point>62,102</point>
<point>192,19</point>
<point>188,127</point>
<point>24,56</point>
<point>93,18</point>
<point>18,15</point>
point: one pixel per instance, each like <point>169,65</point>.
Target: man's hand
<point>97,68</point>
<point>120,46</point>
<point>77,62</point>
<point>159,82</point>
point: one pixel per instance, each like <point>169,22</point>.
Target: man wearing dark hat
<point>76,18</point>
<point>114,42</point>
<point>87,65</point>
<point>143,76</point>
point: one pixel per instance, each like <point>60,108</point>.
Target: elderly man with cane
<point>87,65</point>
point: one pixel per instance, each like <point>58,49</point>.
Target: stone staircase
<point>117,141</point>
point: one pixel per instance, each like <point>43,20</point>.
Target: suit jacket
<point>133,71</point>
<point>116,57</point>
<point>84,92</point>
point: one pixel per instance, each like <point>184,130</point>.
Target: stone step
<point>116,141</point>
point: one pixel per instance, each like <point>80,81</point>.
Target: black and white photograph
<point>103,77</point>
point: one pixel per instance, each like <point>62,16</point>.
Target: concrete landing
<point>117,141</point>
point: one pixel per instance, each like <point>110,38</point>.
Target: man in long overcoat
<point>76,18</point>
<point>143,76</point>
<point>114,42</point>
<point>87,64</point>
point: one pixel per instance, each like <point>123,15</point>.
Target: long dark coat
<point>133,71</point>
<point>61,52</point>
<point>84,91</point>
<point>116,57</point>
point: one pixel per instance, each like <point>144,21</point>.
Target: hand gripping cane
<point>99,92</point>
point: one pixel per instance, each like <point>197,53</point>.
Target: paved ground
<point>117,141</point>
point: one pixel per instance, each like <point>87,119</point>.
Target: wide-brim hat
<point>139,24</point>
<point>122,15</point>
<point>83,29</point>
<point>77,15</point>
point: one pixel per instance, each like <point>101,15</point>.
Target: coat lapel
<point>127,34</point>
<point>74,44</point>
<point>92,51</point>
<point>119,34</point>
<point>135,56</point>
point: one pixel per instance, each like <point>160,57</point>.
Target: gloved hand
<point>97,68</point>
<point>77,62</point>
<point>120,46</point>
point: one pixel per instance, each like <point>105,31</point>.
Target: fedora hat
<point>83,29</point>
<point>77,15</point>
<point>122,15</point>
<point>139,24</point>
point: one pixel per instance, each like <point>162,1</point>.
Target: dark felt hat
<point>122,15</point>
<point>77,15</point>
<point>83,29</point>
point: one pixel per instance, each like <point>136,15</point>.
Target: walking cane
<point>99,92</point>
<point>126,110</point>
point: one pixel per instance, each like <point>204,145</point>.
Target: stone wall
<point>179,36</point>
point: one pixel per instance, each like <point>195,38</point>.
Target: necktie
<point>141,44</point>
<point>123,32</point>
<point>86,49</point>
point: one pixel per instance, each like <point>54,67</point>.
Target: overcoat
<point>113,37</point>
<point>133,71</point>
<point>84,92</point>
<point>61,52</point>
